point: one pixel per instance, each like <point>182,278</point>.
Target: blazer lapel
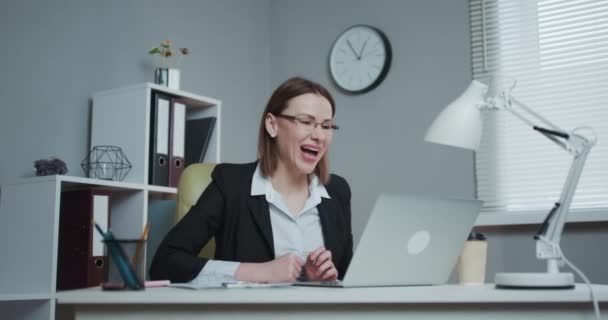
<point>327,214</point>
<point>258,207</point>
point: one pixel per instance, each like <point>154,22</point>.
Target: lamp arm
<point>533,113</point>
<point>551,134</point>
<point>547,245</point>
<point>577,145</point>
<point>556,224</point>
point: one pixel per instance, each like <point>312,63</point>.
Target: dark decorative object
<point>106,163</point>
<point>50,166</point>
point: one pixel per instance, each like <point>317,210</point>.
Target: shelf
<point>24,296</point>
<point>123,117</point>
<point>70,181</point>
<point>73,182</point>
<point>160,189</point>
<point>192,100</point>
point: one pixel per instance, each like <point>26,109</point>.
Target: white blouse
<point>300,233</point>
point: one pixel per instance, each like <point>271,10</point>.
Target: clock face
<point>360,59</point>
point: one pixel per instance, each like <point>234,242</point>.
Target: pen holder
<point>126,267</point>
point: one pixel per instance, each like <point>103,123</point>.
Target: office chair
<point>193,181</point>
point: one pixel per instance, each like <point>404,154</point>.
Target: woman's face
<point>302,141</point>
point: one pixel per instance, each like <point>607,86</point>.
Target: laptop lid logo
<point>418,242</point>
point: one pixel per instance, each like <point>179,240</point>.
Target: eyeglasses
<point>308,122</point>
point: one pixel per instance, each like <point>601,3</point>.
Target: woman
<point>280,219</point>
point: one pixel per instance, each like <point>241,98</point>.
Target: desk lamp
<point>459,125</point>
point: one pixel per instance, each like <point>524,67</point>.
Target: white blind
<point>558,53</point>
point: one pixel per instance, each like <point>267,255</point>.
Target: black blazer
<point>241,226</point>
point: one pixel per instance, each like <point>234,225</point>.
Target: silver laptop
<point>409,240</point>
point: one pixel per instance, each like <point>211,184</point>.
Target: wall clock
<point>360,59</point>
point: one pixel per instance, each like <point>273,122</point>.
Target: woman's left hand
<point>319,266</point>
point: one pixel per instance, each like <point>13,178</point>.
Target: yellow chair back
<point>193,181</point>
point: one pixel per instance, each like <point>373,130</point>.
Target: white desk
<point>433,302</point>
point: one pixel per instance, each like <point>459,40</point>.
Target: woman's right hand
<point>286,268</point>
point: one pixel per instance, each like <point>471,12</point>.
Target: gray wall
<point>380,144</point>
<point>56,54</point>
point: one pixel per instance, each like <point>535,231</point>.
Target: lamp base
<point>532,280</point>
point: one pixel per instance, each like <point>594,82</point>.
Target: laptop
<point>409,240</point>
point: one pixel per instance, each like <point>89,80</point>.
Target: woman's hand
<point>319,266</point>
<point>286,268</point>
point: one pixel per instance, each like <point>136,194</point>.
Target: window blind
<point>557,51</point>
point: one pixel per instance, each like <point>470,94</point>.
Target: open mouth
<point>309,151</point>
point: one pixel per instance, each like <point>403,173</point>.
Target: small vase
<point>161,76</point>
<point>168,77</point>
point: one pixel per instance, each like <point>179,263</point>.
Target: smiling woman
<point>290,220</point>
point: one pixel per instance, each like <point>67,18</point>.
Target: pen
<point>140,244</point>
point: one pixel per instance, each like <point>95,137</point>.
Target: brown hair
<point>267,146</point>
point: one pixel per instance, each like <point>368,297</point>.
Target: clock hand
<point>353,49</point>
<point>362,49</point>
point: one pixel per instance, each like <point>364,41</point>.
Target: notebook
<point>409,240</point>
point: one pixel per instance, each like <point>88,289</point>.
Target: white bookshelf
<point>121,117</point>
<point>29,231</point>
<point>30,208</point>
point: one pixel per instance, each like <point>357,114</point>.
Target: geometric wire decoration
<point>106,163</point>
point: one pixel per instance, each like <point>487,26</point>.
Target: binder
<point>198,136</point>
<point>159,141</point>
<point>81,254</point>
<point>176,148</point>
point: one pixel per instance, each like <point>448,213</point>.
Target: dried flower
<point>165,52</point>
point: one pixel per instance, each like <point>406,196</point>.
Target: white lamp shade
<point>459,124</point>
